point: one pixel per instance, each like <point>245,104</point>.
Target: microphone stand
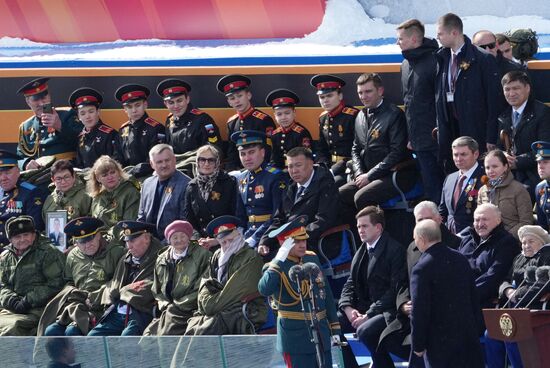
<point>314,321</point>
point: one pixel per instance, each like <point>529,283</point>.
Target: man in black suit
<point>380,144</point>
<point>446,318</point>
<point>396,337</point>
<point>459,195</point>
<point>312,193</point>
<point>526,120</point>
<point>367,303</point>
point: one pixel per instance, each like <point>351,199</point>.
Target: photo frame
<point>55,223</point>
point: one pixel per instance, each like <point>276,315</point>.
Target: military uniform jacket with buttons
<point>100,140</point>
<point>380,141</point>
<point>223,200</point>
<point>24,199</point>
<point>113,206</point>
<point>76,202</point>
<point>253,119</point>
<point>36,140</point>
<point>293,334</point>
<point>284,140</point>
<point>542,204</point>
<point>261,192</point>
<point>193,129</point>
<point>138,138</point>
<point>336,132</point>
<point>36,275</point>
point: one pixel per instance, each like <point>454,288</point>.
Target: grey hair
<point>158,148</point>
<point>490,206</point>
<point>428,205</point>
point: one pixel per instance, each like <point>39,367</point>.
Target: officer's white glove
<point>335,339</point>
<point>285,248</point>
<point>251,242</point>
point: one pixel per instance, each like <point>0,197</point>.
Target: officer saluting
<point>17,197</point>
<point>235,87</point>
<point>542,191</point>
<point>141,132</point>
<point>187,128</point>
<point>290,133</point>
<point>336,125</point>
<point>293,333</point>
<point>50,131</point>
<point>260,186</point>
<point>96,139</point>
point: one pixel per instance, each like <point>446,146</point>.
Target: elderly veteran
<point>31,272</point>
<point>293,332</point>
<point>534,252</point>
<point>89,268</point>
<point>233,274</point>
<point>128,296</point>
<point>178,273</point>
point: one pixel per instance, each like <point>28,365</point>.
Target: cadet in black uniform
<point>96,139</point>
<point>290,133</point>
<point>141,132</point>
<point>187,128</point>
<point>235,88</point>
<point>542,191</point>
<point>336,125</point>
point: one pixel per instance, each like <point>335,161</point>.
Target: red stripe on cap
<point>177,89</point>
<point>35,90</point>
<point>283,100</point>
<point>236,84</point>
<point>133,94</point>
<point>224,227</point>
<point>325,85</point>
<point>87,99</point>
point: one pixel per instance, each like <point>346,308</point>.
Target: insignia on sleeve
<point>38,201</point>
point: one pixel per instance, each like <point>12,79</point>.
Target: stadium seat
<point>270,325</point>
<point>402,201</point>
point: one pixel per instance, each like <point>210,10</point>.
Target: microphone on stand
<point>296,274</point>
<point>546,277</point>
<point>539,274</point>
<point>528,279</point>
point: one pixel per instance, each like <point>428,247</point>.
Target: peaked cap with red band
<point>282,98</point>
<point>85,96</point>
<point>326,83</point>
<point>232,83</point>
<point>170,88</point>
<point>132,92</point>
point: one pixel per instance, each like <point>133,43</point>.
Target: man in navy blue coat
<point>163,194</point>
<point>446,318</point>
<point>467,89</point>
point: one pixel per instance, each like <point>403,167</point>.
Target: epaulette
<point>310,253</point>
<point>125,124</point>
<point>276,131</point>
<point>297,129</point>
<point>350,111</point>
<point>259,114</point>
<point>323,113</point>
<point>27,185</point>
<point>232,117</point>
<point>197,111</point>
<point>105,129</point>
<point>152,122</point>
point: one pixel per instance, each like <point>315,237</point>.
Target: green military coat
<point>76,202</point>
<point>175,287</point>
<point>120,204</point>
<point>37,275</point>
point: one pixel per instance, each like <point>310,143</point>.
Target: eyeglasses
<point>490,46</point>
<point>210,160</point>
<point>59,179</point>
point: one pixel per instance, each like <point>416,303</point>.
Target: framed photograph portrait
<point>55,222</point>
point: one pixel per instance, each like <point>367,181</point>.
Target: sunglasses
<point>490,46</point>
<point>210,160</point>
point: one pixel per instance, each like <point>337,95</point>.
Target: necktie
<point>516,116</point>
<point>458,189</point>
<point>299,193</point>
<point>454,70</point>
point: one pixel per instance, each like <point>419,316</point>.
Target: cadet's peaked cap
<point>170,88</point>
<point>83,229</point>
<point>542,150</point>
<point>282,98</point>
<point>19,225</point>
<point>7,159</point>
<point>85,96</point>
<point>133,229</point>
<point>232,83</point>
<point>295,229</point>
<point>131,92</point>
<point>326,83</point>
<point>37,88</point>
<point>223,225</point>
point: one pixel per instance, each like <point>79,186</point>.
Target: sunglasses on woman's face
<point>210,160</point>
<point>490,46</point>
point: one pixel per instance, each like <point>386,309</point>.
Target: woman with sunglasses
<point>212,193</point>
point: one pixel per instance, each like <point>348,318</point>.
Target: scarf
<point>492,186</point>
<point>226,253</point>
<point>206,183</point>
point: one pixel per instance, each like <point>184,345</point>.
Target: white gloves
<point>285,248</point>
<point>335,339</point>
<point>251,242</point>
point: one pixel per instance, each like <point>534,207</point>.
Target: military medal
<point>341,130</point>
<point>375,134</point>
<point>215,196</point>
<point>259,191</point>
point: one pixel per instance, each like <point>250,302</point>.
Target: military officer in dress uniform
<point>141,132</point>
<point>50,131</point>
<point>542,191</point>
<point>236,89</point>
<point>293,333</point>
<point>96,138</point>
<point>260,186</point>
<point>187,128</point>
<point>290,133</point>
<point>17,197</point>
<point>336,125</point>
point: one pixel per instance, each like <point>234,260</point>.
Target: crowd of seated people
<point>154,250</point>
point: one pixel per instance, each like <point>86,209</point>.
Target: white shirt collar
<point>469,172</point>
<point>306,184</point>
<point>521,108</point>
<point>373,245</point>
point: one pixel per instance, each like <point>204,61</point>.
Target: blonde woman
<point>114,196</point>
